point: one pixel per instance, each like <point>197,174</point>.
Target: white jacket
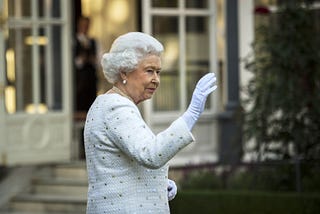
<point>126,162</point>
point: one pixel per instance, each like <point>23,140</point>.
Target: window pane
<point>49,8</point>
<point>43,42</point>
<point>197,52</point>
<point>56,58</point>
<point>50,67</point>
<point>18,70</point>
<point>167,96</point>
<point>197,3</point>
<point>19,8</point>
<point>164,3</point>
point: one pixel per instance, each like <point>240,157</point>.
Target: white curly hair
<point>126,52</point>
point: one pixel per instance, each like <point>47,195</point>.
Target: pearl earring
<point>124,82</point>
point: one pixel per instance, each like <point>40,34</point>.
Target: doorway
<point>105,21</point>
<point>34,87</point>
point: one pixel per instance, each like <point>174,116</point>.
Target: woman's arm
<point>129,132</point>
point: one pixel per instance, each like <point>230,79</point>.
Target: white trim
<point>146,19</point>
<point>27,22</point>
<point>246,37</point>
<point>213,56</point>
<point>185,12</point>
<point>35,57</point>
<point>49,64</point>
<point>2,88</point>
<point>225,75</point>
<point>146,27</point>
<point>66,60</point>
<point>182,57</point>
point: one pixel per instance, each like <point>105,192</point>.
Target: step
<point>49,203</point>
<point>54,189</point>
<point>74,171</point>
<point>60,186</point>
<point>17,181</point>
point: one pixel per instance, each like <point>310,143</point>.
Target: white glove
<point>172,189</point>
<point>204,87</point>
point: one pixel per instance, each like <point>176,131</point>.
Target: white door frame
<point>2,67</point>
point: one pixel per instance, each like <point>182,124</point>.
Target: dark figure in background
<point>85,67</point>
<point>85,63</point>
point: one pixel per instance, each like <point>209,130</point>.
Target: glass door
<point>35,82</point>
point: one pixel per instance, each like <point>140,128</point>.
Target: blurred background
<point>258,141</point>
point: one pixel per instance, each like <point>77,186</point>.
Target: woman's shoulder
<point>113,100</point>
<point>113,97</point>
<point>112,106</point>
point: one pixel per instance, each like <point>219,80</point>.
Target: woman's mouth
<point>151,90</point>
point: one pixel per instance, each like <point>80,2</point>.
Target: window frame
<point>181,12</point>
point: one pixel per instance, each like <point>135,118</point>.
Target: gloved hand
<point>204,87</point>
<point>172,189</point>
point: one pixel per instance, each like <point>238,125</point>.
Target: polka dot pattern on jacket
<point>126,162</point>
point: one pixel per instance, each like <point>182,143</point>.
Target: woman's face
<point>143,82</point>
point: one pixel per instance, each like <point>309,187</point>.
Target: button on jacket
<point>126,162</point>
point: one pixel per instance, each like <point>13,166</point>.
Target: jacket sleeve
<point>129,132</point>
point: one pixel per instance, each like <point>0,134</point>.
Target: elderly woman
<point>126,162</point>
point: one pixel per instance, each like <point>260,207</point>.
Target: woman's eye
<point>152,71</point>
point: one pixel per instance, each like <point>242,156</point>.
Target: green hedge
<point>237,202</point>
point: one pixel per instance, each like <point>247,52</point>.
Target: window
<point>33,61</point>
<point>186,29</point>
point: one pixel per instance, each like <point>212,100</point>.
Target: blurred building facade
<point>36,62</point>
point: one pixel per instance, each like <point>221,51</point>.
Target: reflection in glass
<point>19,8</point>
<point>18,70</point>
<point>10,91</point>
<point>197,52</point>
<point>167,96</point>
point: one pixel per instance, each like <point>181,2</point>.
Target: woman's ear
<point>123,75</point>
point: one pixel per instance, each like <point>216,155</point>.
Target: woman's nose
<point>156,77</point>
